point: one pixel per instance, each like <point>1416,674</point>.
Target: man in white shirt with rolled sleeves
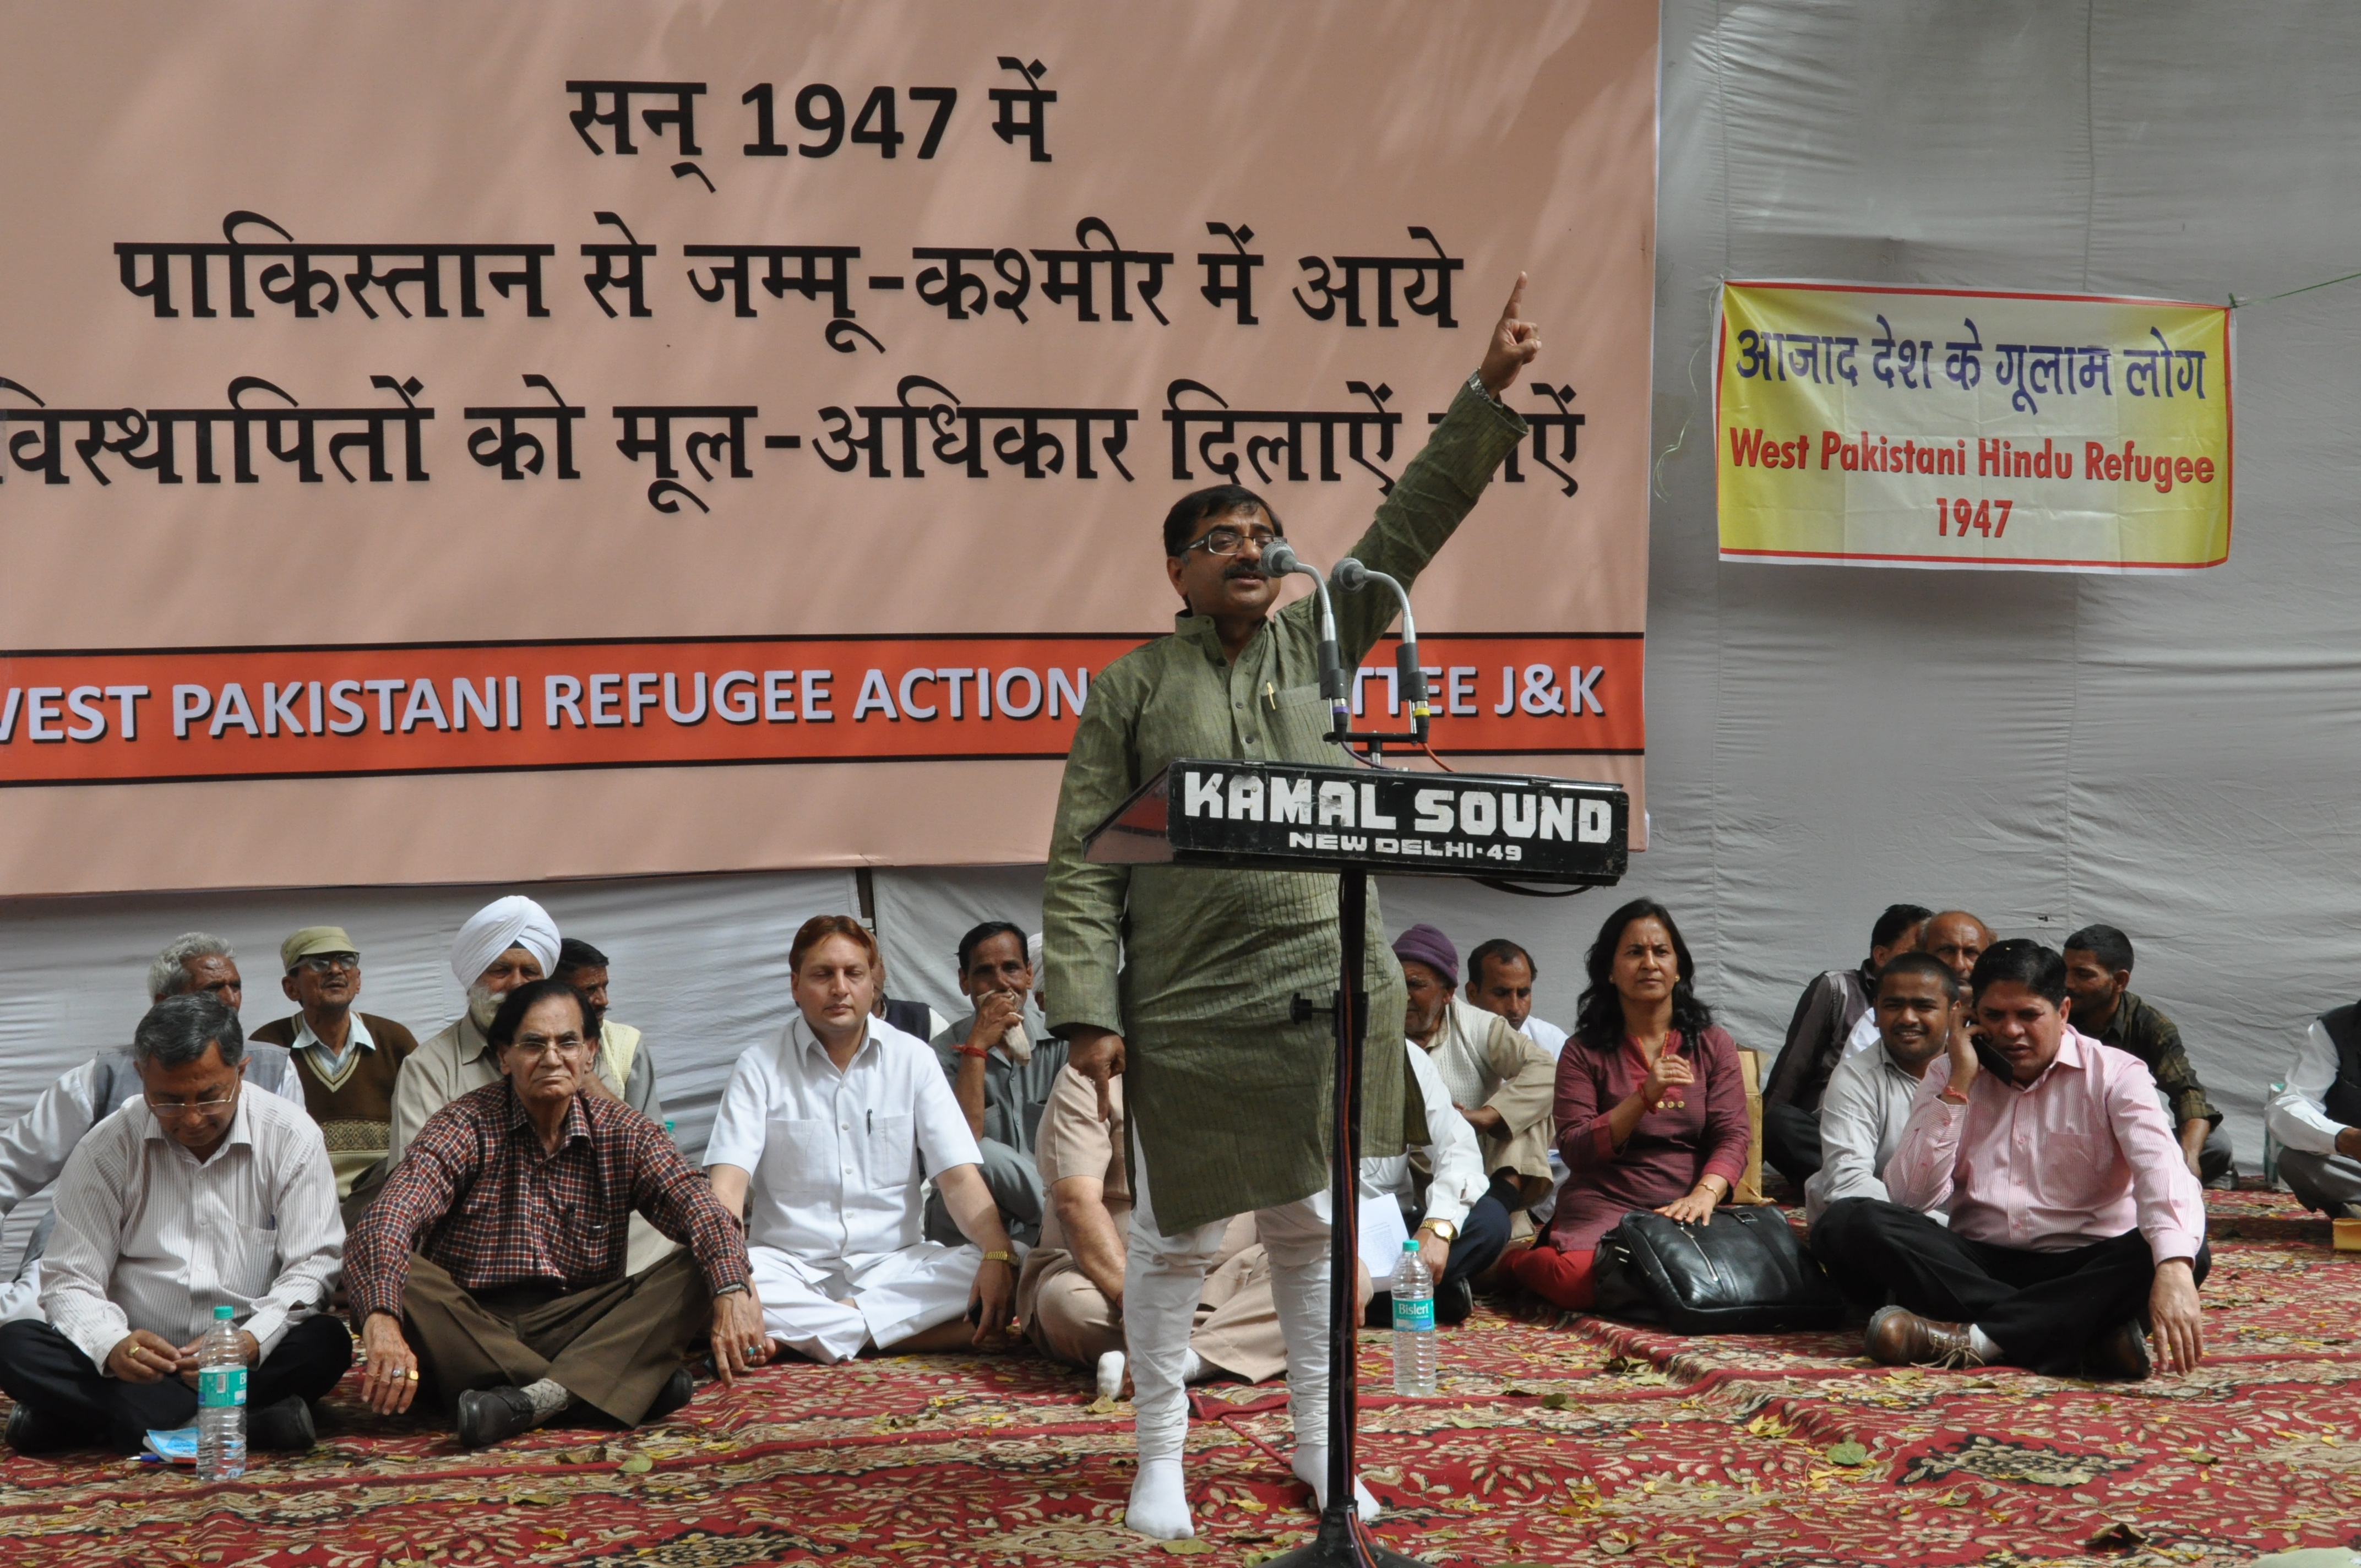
<point>1448,1206</point>
<point>1869,1095</point>
<point>2316,1116</point>
<point>819,1144</point>
<point>194,1196</point>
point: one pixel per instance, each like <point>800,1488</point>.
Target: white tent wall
<point>2171,754</point>
<point>922,914</point>
<point>699,964</point>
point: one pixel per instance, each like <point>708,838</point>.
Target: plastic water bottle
<point>221,1401</point>
<point>2270,1143</point>
<point>1413,1293</point>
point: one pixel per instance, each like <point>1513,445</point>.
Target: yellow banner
<point>1948,427</point>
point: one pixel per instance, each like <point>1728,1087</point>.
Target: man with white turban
<point>508,942</point>
<point>505,943</point>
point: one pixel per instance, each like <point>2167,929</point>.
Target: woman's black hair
<point>1599,1023</point>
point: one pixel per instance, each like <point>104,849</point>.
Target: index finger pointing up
<point>1516,299</point>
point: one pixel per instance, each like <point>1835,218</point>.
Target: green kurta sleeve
<point>1434,494</point>
<point>1082,904</point>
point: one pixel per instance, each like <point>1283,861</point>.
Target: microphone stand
<point>1343,1542</point>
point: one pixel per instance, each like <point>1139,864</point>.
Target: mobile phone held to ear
<point>1991,1060</point>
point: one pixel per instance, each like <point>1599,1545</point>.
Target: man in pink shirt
<point>2076,1227</point>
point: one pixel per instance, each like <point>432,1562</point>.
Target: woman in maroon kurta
<point>1650,1107</point>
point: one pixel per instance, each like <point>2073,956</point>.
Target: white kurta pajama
<point>833,1213</point>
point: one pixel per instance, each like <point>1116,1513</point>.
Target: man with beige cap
<point>346,1060</point>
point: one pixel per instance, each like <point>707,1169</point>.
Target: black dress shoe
<point>284,1428</point>
<point>1454,1301</point>
<point>2119,1354</point>
<point>487,1415</point>
<point>677,1390</point>
<point>30,1432</point>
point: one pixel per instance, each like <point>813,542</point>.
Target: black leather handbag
<point>1743,1272</point>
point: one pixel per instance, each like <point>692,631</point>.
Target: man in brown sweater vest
<point>346,1060</point>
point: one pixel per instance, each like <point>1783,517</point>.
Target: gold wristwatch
<point>1445,1231</point>
<point>996,1256</point>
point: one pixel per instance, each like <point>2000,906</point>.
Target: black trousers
<point>2043,1309</point>
<point>1483,1236</point>
<point>1791,1142</point>
<point>42,1368</point>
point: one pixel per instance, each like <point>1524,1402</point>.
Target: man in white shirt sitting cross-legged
<point>194,1196</point>
<point>1916,1001</point>
<point>819,1142</point>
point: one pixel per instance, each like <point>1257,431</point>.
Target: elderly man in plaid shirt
<point>491,1265</point>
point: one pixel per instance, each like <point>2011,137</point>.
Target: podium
<point>1352,821</point>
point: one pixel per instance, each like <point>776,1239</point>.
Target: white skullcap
<point>504,923</point>
<point>1033,951</point>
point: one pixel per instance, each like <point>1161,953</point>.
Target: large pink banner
<point>338,330</point>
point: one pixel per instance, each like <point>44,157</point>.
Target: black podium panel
<point>1303,816</point>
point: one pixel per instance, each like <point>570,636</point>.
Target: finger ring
<point>754,1350</point>
<point>413,1375</point>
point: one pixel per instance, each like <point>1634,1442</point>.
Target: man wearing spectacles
<point>492,1268</point>
<point>346,1060</point>
<point>195,1195</point>
<point>35,1146</point>
<point>1229,1109</point>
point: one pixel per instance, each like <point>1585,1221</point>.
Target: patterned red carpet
<point>1552,1443</point>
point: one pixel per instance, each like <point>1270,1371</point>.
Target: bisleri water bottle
<point>221,1401</point>
<point>1413,1293</point>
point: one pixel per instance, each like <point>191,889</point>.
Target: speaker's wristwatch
<point>1445,1231</point>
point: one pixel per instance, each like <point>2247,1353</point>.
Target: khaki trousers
<point>1236,1326</point>
<point>613,1346</point>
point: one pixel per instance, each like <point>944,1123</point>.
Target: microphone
<point>1351,576</point>
<point>1279,559</point>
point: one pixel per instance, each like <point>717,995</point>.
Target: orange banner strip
<point>177,715</point>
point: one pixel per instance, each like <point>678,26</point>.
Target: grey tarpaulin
<point>2170,754</point>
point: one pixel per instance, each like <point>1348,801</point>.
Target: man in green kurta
<point>1183,980</point>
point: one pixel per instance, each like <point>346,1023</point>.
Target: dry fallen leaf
<point>1849,1453</point>
<point>1614,1545</point>
<point>638,1464</point>
<point>1189,1548</point>
<point>2120,1536</point>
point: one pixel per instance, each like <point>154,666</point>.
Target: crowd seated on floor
<point>1998,1147</point>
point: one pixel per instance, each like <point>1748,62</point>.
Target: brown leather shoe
<point>1897,1337</point>
<point>2119,1354</point>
